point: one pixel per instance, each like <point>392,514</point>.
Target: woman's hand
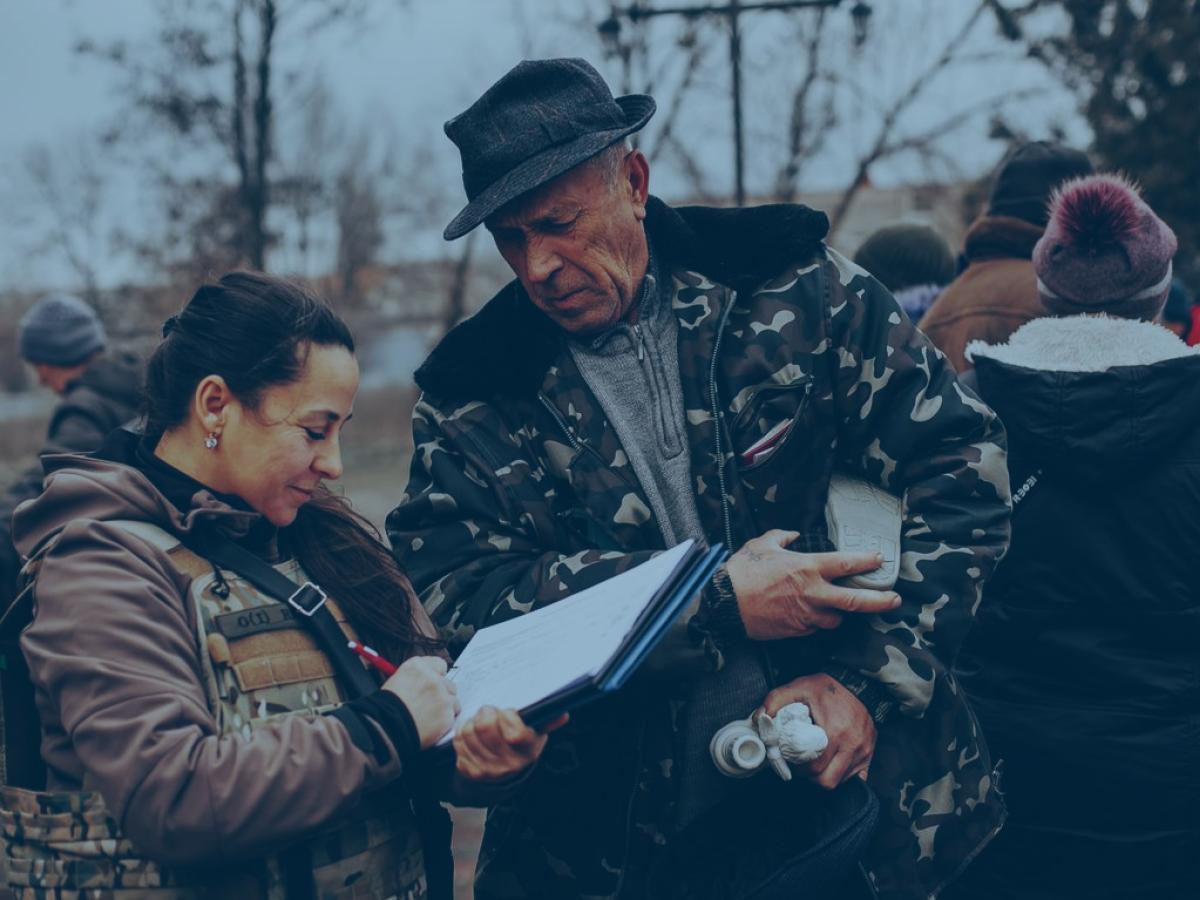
<point>496,744</point>
<point>431,699</point>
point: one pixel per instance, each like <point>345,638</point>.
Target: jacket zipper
<point>641,342</point>
<point>562,422</point>
<point>726,516</point>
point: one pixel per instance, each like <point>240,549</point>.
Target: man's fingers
<point>781,697</point>
<point>780,538</point>
<point>839,565</point>
<point>823,619</point>
<point>828,769</point>
<point>859,600</point>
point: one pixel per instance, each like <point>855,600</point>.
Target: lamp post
<point>610,34</point>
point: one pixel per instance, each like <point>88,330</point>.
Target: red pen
<point>372,657</point>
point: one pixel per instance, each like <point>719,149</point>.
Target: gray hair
<point>608,161</point>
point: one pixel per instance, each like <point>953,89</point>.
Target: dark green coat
<point>520,494</point>
<point>104,398</point>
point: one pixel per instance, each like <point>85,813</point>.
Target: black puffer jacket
<point>1084,666</point>
<point>104,398</point>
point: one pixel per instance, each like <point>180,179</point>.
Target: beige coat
<point>113,655</point>
<point>994,296</point>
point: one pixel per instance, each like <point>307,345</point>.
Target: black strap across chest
<point>306,600</point>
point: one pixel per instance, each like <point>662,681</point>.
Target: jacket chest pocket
<point>766,425</point>
<point>784,457</point>
<point>259,662</point>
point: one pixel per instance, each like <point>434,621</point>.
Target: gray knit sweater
<point>634,372</point>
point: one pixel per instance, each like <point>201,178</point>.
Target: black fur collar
<point>506,348</point>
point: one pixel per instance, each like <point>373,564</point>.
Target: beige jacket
<point>113,655</point>
<point>994,296</point>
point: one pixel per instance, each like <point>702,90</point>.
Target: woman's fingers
<point>496,744</point>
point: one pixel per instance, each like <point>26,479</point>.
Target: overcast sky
<point>412,65</point>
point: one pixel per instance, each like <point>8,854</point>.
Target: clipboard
<point>644,603</point>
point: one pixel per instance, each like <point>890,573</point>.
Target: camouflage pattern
<point>259,666</point>
<point>516,500</point>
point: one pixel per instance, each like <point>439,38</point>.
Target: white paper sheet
<point>519,662</point>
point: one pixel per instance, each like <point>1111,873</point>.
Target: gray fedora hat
<point>542,118</point>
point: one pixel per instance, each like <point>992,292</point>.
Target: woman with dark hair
<point>193,711</point>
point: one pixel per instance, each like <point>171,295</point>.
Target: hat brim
<point>548,164</point>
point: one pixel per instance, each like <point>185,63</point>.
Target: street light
<point>610,35</point>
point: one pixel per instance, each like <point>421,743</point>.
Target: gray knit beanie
<point>60,330</point>
<point>1104,251</point>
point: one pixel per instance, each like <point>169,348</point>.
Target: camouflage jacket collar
<point>506,348</point>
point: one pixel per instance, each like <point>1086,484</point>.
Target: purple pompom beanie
<point>1104,251</point>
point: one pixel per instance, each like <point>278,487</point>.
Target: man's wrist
<point>720,607</point>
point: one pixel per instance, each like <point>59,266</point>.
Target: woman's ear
<point>211,402</point>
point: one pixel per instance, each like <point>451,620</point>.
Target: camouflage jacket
<point>521,494</point>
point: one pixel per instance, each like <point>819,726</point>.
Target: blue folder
<point>693,572</point>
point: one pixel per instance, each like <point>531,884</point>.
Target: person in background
<point>997,292</point>
<point>1082,666</point>
<point>1180,314</point>
<point>201,737</point>
<point>62,338</point>
<point>913,261</point>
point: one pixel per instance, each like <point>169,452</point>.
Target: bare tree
<point>207,87</point>
<point>252,125</point>
<point>67,184</point>
<point>302,186</point>
<point>805,138</point>
<point>359,212</point>
<point>889,141</point>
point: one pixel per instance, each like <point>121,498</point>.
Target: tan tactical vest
<point>258,665</point>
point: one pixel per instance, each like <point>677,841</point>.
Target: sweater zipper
<point>641,342</point>
<point>714,399</point>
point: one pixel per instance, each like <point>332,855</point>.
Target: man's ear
<point>637,174</point>
<point>211,402</point>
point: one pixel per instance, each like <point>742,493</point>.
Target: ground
<point>374,486</point>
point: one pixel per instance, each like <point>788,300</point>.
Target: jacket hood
<point>506,348</point>
<point>1090,394</point>
<point>79,486</point>
<point>118,376</point>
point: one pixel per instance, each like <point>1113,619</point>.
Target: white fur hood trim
<point>1087,343</point>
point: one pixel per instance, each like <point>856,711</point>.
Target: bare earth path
<point>374,486</point>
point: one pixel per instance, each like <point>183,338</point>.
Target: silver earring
<point>211,441</point>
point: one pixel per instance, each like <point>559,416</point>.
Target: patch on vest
<point>272,617</point>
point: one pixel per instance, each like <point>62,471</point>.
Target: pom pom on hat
<point>1104,251</point>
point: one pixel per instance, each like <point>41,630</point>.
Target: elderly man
<point>656,374</point>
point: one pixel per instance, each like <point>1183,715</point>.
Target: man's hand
<point>783,594</point>
<point>496,744</point>
<point>847,722</point>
